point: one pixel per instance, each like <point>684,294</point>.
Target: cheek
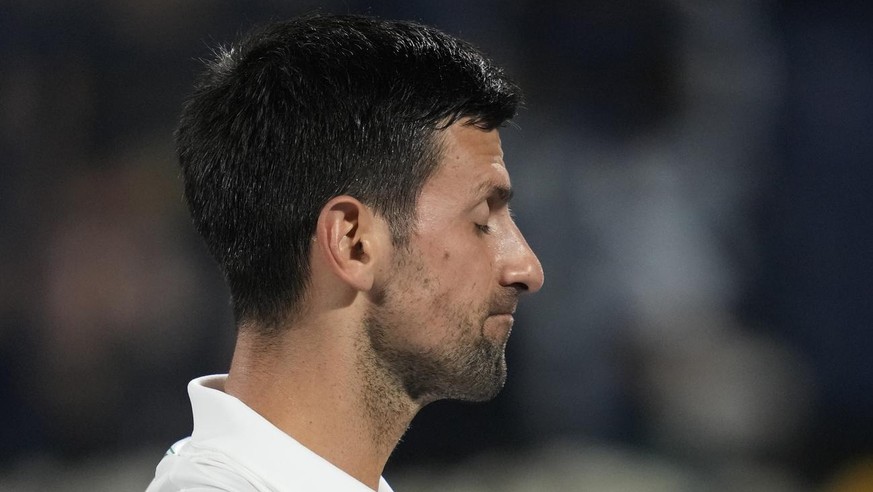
<point>460,269</point>
<point>464,286</point>
<point>470,268</point>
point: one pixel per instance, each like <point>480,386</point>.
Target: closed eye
<point>484,228</point>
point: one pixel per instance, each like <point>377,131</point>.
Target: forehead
<point>470,171</point>
<point>470,159</point>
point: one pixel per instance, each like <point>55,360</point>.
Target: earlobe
<point>347,240</point>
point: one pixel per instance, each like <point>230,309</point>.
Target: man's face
<point>440,325</point>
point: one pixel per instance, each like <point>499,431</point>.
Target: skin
<point>385,330</point>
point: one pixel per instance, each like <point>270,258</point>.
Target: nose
<point>521,268</point>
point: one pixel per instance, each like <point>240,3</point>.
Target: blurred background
<point>696,177</point>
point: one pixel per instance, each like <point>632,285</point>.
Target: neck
<point>322,386</point>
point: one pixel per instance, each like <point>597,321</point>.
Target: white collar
<point>225,424</point>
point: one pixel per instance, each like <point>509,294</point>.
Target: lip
<point>503,311</point>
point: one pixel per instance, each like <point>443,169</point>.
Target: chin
<point>484,378</point>
<point>471,368</point>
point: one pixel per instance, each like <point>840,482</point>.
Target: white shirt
<point>234,449</point>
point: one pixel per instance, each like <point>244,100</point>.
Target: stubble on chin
<point>469,366</point>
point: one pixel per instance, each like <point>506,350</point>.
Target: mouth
<point>503,312</point>
<point>503,317</point>
<point>503,306</point>
<point>498,326</point>
<point>506,314</point>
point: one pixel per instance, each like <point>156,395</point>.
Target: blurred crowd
<point>695,177</point>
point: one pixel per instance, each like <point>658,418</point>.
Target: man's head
<point>310,109</point>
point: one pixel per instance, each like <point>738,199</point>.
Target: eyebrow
<point>496,192</point>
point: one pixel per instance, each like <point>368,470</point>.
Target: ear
<point>351,239</point>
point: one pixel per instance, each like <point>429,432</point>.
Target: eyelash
<point>483,228</point>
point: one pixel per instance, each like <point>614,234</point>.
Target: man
<point>347,175</point>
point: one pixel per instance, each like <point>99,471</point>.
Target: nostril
<point>521,287</point>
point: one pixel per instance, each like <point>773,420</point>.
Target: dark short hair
<point>315,107</point>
